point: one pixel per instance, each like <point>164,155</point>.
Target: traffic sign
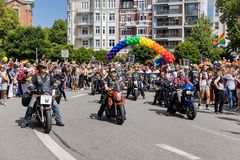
<point>65,53</point>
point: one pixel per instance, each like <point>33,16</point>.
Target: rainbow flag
<point>220,40</point>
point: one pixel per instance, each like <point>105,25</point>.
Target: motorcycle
<point>158,93</point>
<point>41,109</point>
<point>183,102</point>
<point>116,102</point>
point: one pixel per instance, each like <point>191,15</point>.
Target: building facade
<point>173,19</point>
<point>100,24</point>
<point>93,23</point>
<point>23,9</point>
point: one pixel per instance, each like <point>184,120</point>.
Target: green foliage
<point>58,32</point>
<point>187,50</point>
<point>82,55</point>
<point>231,16</point>
<point>216,54</point>
<point>22,42</point>
<point>101,56</point>
<point>8,20</point>
<point>118,59</point>
<point>201,35</point>
<point>142,53</point>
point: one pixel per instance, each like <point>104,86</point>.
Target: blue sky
<point>45,12</point>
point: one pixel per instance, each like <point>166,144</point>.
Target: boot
<point>27,117</point>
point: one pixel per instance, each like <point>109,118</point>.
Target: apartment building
<point>93,23</point>
<point>173,19</point>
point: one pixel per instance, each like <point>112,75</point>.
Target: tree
<point>58,32</point>
<point>82,55</point>
<point>201,36</point>
<point>142,53</point>
<point>187,50</point>
<point>101,56</point>
<point>231,16</point>
<point>22,42</point>
<point>8,20</point>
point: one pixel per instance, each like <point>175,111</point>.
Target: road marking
<point>80,95</point>
<point>178,151</point>
<point>58,151</point>
<point>216,133</point>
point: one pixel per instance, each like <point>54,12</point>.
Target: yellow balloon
<point>5,59</point>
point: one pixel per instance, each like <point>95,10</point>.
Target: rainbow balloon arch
<point>162,54</point>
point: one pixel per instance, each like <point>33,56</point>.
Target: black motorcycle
<point>41,109</point>
<point>96,85</point>
<point>183,102</point>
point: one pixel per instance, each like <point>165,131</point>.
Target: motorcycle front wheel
<point>120,115</point>
<point>135,95</point>
<point>191,112</point>
<point>47,121</point>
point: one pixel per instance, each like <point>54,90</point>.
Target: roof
<point>31,2</point>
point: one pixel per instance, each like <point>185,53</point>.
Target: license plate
<point>46,100</point>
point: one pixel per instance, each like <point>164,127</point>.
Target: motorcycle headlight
<point>189,93</point>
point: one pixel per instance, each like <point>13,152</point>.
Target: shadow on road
<point>163,112</point>
<point>151,103</point>
<point>231,132</point>
<point>212,112</point>
<point>94,116</point>
<point>33,124</point>
<point>229,119</point>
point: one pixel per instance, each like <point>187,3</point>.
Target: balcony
<point>85,23</point>
<point>168,1</point>
<point>167,24</point>
<point>191,1</point>
<point>129,24</point>
<point>175,13</point>
<point>168,36</point>
<point>142,24</point>
<point>84,36</point>
<point>79,10</point>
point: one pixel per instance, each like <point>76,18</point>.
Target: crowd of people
<point>213,81</point>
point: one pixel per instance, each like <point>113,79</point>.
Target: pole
<point>36,55</point>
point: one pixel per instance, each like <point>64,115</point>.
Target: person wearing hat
<point>113,78</point>
<point>43,82</point>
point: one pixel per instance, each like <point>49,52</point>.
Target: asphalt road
<point>147,134</point>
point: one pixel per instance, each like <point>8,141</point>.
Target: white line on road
<point>58,151</point>
<point>178,151</point>
<point>216,133</point>
<point>80,95</point>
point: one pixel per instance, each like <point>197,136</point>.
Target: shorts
<point>4,86</point>
<point>204,87</point>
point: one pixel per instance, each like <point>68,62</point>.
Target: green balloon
<point>127,41</point>
<point>137,40</point>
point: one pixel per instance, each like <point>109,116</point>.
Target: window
<point>111,16</point>
<point>17,11</point>
<point>69,6</point>
<point>84,18</point>
<point>85,43</point>
<point>97,42</point>
<point>84,5</point>
<point>111,30</point>
<point>129,18</point>
<point>141,31</point>
<point>103,16</point>
<point>122,18</point>
<point>104,42</point>
<point>103,3</point>
<point>97,3</point>
<point>142,5</point>
<point>111,3</point>
<point>216,25</point>
<point>103,30</point>
<point>142,17</point>
<point>84,30</point>
<point>97,29</point>
<point>111,42</point>
<point>97,16</point>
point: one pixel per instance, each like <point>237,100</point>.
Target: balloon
<point>5,59</point>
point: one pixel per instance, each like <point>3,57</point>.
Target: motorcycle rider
<point>114,78</point>
<point>178,81</point>
<point>43,82</point>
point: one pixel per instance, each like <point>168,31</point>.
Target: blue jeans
<point>230,98</point>
<point>55,108</point>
